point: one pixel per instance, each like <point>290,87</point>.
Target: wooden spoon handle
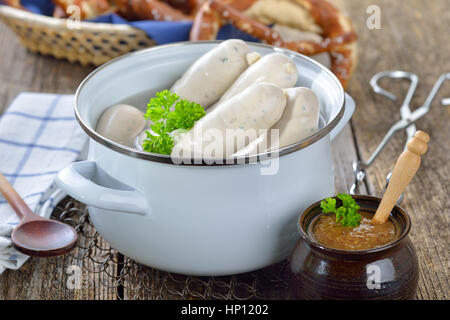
<point>14,199</point>
<point>405,168</point>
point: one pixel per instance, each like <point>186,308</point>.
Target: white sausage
<point>121,123</point>
<point>275,68</point>
<point>213,73</point>
<point>300,118</point>
<point>258,145</point>
<point>259,106</point>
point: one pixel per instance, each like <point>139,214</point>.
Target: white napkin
<point>39,136</point>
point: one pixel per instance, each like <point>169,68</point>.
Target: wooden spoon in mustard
<point>405,168</point>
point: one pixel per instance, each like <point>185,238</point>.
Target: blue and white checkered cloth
<point>39,136</point>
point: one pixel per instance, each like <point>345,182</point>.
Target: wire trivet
<point>131,280</point>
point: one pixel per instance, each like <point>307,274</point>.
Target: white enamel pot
<point>198,219</point>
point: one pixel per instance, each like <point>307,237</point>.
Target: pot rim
<point>155,157</point>
<point>304,234</point>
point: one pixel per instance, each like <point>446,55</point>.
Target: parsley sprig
<point>168,113</point>
<point>347,215</point>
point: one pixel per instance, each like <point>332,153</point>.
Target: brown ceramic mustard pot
<point>388,271</point>
<point>357,247</point>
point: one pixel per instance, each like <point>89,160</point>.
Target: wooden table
<point>413,37</point>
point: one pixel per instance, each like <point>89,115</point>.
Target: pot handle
<point>88,183</point>
<point>348,112</point>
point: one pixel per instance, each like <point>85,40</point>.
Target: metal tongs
<point>407,121</point>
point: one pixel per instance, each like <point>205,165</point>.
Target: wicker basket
<point>84,42</point>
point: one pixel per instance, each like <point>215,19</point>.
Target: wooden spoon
<point>405,168</point>
<point>34,235</point>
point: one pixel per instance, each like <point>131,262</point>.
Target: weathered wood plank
<point>344,152</point>
<point>414,38</point>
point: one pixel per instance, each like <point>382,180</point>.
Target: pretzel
<point>242,22</point>
<point>59,13</point>
<point>268,35</point>
<point>338,32</point>
<point>207,21</point>
<point>186,6</point>
<point>206,24</point>
<point>156,10</point>
<point>335,24</point>
<point>14,4</point>
<point>89,9</point>
<point>123,9</point>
